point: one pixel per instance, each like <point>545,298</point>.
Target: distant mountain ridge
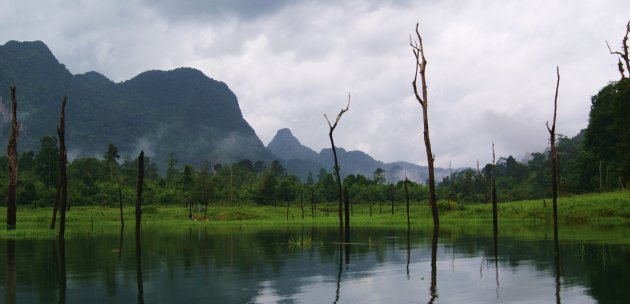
<point>181,111</point>
<point>300,160</point>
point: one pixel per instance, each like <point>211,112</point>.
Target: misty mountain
<point>181,111</point>
<point>300,160</point>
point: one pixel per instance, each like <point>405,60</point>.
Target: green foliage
<point>182,110</point>
<point>607,138</point>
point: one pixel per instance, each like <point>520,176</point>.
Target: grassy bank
<point>606,208</point>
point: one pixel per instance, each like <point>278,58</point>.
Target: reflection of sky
<point>464,280</point>
<point>376,274</point>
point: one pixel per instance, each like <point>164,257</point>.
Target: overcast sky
<point>491,64</point>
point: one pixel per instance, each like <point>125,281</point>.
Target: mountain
<point>300,160</point>
<point>181,111</point>
<point>286,146</point>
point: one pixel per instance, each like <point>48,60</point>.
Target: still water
<point>259,264</point>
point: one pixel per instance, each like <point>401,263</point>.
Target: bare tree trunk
<point>312,203</point>
<point>120,202</point>
<point>302,202</point>
<point>421,64</point>
<point>337,175</point>
<point>495,216</point>
<point>287,210</point>
<point>393,194</point>
<point>56,206</point>
<point>13,164</point>
<point>554,165</point>
<point>63,159</point>
<point>407,199</point>
<point>346,201</point>
<point>600,176</point>
<point>623,54</point>
<point>139,193</point>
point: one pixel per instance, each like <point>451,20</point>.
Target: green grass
<point>605,208</point>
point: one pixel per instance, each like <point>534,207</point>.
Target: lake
<point>303,264</point>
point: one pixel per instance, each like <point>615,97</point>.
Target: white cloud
<point>491,71</point>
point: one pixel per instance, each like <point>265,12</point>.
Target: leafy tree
<point>607,137</point>
<point>277,168</point>
<point>379,176</point>
<point>46,161</point>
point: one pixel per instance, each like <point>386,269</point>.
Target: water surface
<point>258,265</point>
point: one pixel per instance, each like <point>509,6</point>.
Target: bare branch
<point>421,62</point>
<point>333,126</point>
<point>623,54</point>
<point>420,66</point>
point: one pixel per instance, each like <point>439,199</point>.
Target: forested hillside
<point>180,111</point>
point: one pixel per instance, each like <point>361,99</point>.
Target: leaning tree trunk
<point>337,175</point>
<point>554,164</point>
<point>421,64</point>
<point>63,159</point>
<point>13,164</point>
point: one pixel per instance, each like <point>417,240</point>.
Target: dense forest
<point>596,159</point>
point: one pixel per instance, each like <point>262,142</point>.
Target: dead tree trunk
<point>56,206</point>
<point>13,164</point>
<point>139,194</point>
<point>302,202</point>
<point>337,175</point>
<point>287,210</point>
<point>623,55</point>
<point>120,203</point>
<point>312,203</point>
<point>554,164</point>
<point>421,64</point>
<point>346,202</point>
<point>63,159</point>
<point>393,195</point>
<point>495,216</point>
<point>407,199</point>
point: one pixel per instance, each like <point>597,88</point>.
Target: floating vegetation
<point>31,234</point>
<point>303,242</point>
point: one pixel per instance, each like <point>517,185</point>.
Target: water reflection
<point>11,272</point>
<point>434,246</point>
<point>250,264</point>
<point>339,272</point>
<point>139,283</point>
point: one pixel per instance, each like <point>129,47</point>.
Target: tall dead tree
<point>407,200</point>
<point>139,193</point>
<point>120,204</point>
<point>13,164</point>
<point>493,191</point>
<point>63,160</point>
<point>554,163</point>
<point>421,64</point>
<point>337,175</point>
<point>623,55</point>
<point>138,221</point>
<point>346,206</point>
